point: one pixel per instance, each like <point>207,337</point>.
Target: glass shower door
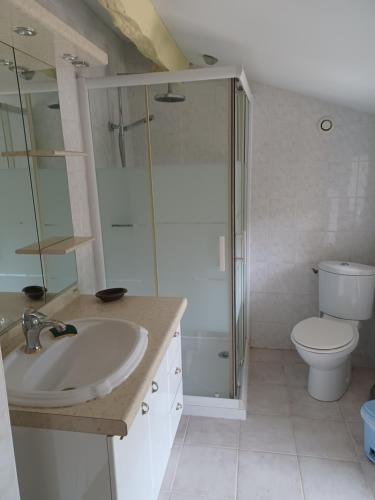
<point>124,187</point>
<point>171,173</point>
<point>239,183</point>
<point>190,147</point>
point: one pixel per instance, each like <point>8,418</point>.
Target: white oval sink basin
<point>73,369</point>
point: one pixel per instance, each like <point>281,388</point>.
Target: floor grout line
<point>237,473</point>
<point>300,477</point>
<point>174,474</point>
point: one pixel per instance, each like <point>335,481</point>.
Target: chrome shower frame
<point>232,408</point>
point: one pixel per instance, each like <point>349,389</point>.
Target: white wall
<point>313,199</point>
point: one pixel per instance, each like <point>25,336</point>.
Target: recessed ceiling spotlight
<point>24,31</point>
<point>210,60</point>
<point>69,57</point>
<point>80,64</point>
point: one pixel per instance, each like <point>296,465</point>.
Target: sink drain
<point>224,354</point>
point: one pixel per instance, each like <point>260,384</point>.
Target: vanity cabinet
<point>138,462</point>
<point>77,466</point>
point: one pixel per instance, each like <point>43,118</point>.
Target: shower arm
<point>114,126</point>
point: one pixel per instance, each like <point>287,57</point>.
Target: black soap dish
<point>111,294</point>
<point>34,292</point>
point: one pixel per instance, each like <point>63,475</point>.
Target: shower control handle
<point>177,371</point>
<point>154,386</point>
<point>222,254</point>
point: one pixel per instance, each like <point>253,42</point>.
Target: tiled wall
<point>313,199</point>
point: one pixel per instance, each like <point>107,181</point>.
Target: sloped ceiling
<point>322,48</point>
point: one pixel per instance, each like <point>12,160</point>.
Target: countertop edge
<point>61,422</point>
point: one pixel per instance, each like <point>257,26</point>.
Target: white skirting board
<point>200,406</point>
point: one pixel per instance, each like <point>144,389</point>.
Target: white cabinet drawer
<point>159,425</point>
<point>175,377</point>
<point>174,349</point>
<point>175,413</point>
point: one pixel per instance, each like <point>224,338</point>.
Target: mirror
<point>34,191</point>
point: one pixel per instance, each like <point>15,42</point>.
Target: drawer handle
<point>177,371</point>
<point>154,386</point>
<point>176,334</point>
<point>145,408</point>
<point>179,406</point>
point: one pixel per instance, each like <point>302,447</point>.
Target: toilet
<point>346,296</point>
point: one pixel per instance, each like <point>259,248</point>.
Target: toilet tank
<point>346,290</point>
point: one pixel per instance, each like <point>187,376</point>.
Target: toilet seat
<point>323,334</point>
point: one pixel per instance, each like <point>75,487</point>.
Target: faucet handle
<point>31,317</point>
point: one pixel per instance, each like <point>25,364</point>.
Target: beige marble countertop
<point>113,414</point>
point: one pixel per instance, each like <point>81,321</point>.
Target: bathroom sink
<point>75,368</point>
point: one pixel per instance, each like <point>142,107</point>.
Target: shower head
<point>27,74</point>
<point>55,105</point>
<point>170,96</point>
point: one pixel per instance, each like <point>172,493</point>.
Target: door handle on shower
<point>222,254</point>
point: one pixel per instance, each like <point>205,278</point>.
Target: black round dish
<point>111,294</point>
<point>34,292</point>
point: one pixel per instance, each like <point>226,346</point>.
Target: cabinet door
<point>8,475</point>
<point>159,425</point>
<point>130,460</point>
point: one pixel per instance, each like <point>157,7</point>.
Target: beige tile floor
<point>290,447</point>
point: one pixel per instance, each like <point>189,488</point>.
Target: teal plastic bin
<point>368,415</point>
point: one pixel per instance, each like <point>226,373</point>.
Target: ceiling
<point>53,37</point>
<point>322,48</point>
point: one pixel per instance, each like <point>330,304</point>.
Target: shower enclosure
<point>170,157</point>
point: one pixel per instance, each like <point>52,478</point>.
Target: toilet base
<point>329,385</point>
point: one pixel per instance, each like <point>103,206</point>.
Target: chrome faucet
<point>33,322</point>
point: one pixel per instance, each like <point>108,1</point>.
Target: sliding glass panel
<point>240,123</point>
<point>190,143</point>
<point>124,187</point>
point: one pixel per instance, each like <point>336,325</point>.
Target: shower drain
<point>68,389</point>
<point>224,354</point>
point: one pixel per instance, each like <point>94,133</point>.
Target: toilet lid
<point>319,333</point>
